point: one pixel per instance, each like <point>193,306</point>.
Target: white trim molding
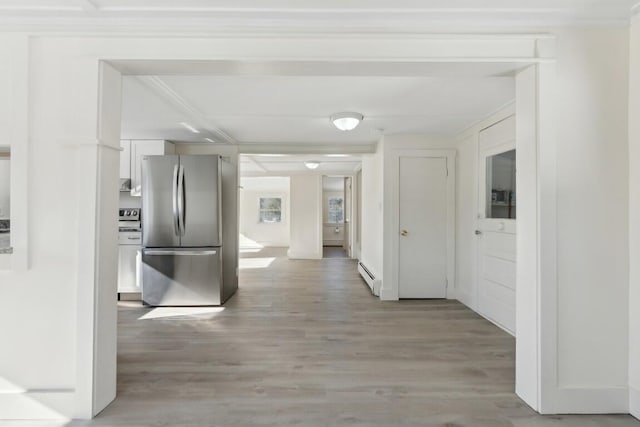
<point>634,402</point>
<point>55,404</point>
<point>273,16</point>
<point>587,400</point>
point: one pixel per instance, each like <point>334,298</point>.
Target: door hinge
<point>446,281</point>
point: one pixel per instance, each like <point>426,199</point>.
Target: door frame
<point>536,347</point>
<point>394,174</point>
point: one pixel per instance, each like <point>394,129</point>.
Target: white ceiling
<point>309,15</point>
<point>265,183</point>
<point>294,110</point>
<point>285,165</point>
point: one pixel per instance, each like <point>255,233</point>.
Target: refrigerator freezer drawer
<point>182,277</point>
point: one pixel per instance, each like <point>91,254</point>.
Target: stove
<point>129,219</point>
<point>129,250</point>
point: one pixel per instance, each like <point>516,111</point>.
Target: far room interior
<point>308,191</point>
<point>421,144</point>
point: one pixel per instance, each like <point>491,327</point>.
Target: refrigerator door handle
<point>173,253</point>
<point>176,224</point>
<point>181,201</point>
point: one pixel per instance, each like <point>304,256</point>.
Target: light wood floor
<point>304,343</point>
<point>333,252</point>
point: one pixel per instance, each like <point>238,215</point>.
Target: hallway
<point>305,343</point>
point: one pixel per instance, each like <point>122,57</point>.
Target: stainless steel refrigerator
<point>182,230</point>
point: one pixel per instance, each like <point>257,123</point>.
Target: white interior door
<point>497,224</point>
<point>422,259</point>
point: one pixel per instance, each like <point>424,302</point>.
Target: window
<point>336,210</point>
<point>270,210</point>
<point>501,185</point>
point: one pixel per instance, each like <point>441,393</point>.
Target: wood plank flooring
<point>333,252</point>
<point>304,343</point>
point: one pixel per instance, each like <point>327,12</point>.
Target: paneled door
<point>422,259</point>
<point>497,224</point>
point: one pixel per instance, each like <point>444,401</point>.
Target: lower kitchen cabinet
<point>129,258</point>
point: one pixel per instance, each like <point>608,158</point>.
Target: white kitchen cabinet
<point>128,268</point>
<point>125,159</point>
<point>129,258</point>
<point>140,148</point>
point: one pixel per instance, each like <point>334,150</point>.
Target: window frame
<point>329,198</point>
<point>260,210</point>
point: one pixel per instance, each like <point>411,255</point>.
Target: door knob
<point>478,232</point>
<point>404,232</point>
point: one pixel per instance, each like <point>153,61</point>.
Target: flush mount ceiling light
<point>347,120</point>
<point>312,164</point>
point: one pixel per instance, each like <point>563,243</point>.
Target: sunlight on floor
<point>173,312</point>
<point>251,263</point>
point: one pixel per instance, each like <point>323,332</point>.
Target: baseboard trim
<point>582,400</point>
<point>634,402</point>
<point>37,405</point>
<point>387,294</point>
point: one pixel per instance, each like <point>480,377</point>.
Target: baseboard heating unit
<point>369,278</point>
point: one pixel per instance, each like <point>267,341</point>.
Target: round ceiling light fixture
<point>346,120</point>
<point>312,164</point>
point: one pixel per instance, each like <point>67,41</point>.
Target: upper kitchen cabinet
<point>140,148</point>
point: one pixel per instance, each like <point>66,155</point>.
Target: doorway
<point>336,216</point>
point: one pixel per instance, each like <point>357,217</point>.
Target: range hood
<point>125,184</point>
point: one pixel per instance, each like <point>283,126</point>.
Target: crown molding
<point>162,89</point>
<point>321,17</point>
<point>316,148</point>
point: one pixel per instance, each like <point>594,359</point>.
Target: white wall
<point>126,200</point>
<point>372,215</point>
<point>592,200</point>
<point>634,219</point>
<point>466,217</point>
<point>306,217</point>
<point>264,234</point>
<point>4,187</point>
